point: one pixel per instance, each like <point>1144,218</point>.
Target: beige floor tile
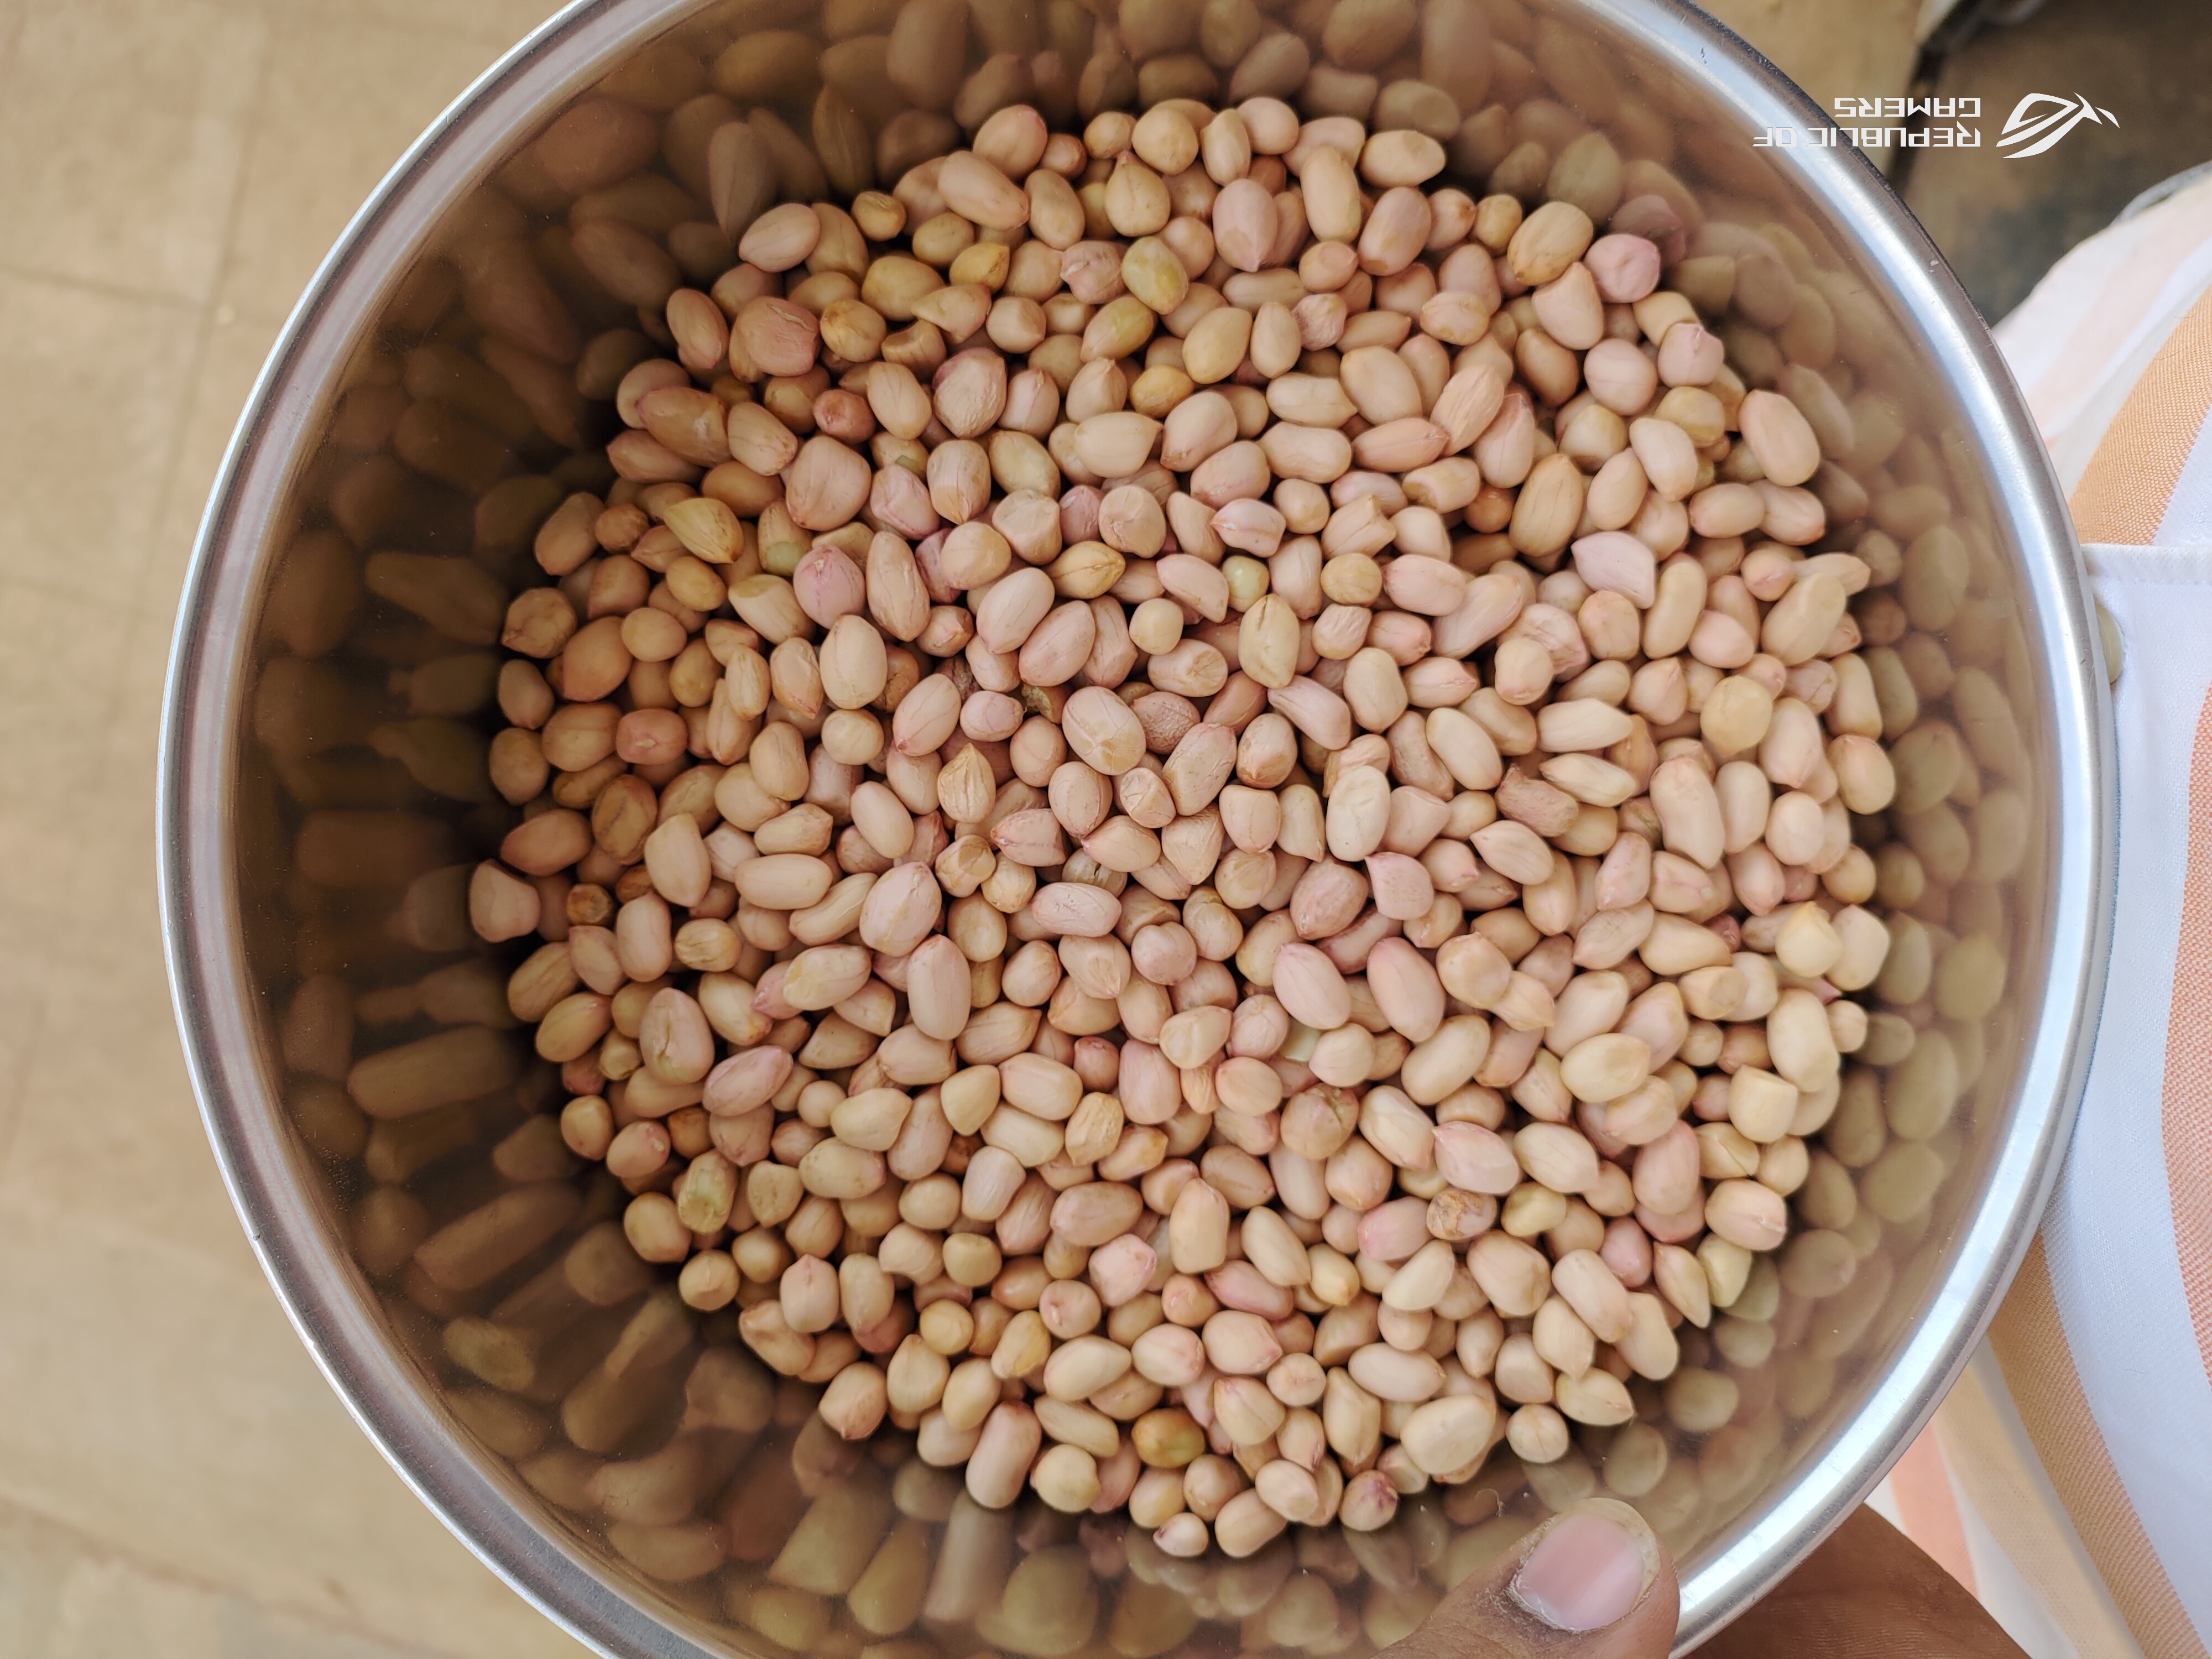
<point>106,1127</point>
<point>105,1607</point>
<point>63,1595</point>
<point>22,1006</point>
<point>346,97</point>
<point>102,969</point>
<point>60,656</point>
<point>107,877</point>
<point>34,1557</point>
<point>125,121</point>
<point>83,882</point>
<point>96,383</point>
<point>165,1406</point>
<point>110,890</point>
<point>498,23</point>
<point>98,889</point>
<point>58,653</point>
<point>100,874</point>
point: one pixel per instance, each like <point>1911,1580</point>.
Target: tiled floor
<point>175,1479</point>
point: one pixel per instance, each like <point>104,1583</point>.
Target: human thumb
<point>1592,1583</point>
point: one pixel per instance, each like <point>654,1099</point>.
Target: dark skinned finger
<point>1593,1582</point>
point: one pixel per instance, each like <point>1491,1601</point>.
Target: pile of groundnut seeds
<point>1203,819</point>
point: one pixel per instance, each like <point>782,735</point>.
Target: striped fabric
<point>2068,1480</point>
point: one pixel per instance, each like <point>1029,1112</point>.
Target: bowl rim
<point>236,1076</point>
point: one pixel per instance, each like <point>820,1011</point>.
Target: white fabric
<point>2079,346</point>
<point>2109,1231</point>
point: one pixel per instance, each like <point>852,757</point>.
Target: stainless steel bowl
<point>247,916</point>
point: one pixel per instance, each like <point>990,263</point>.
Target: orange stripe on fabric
<point>1929,1509</point>
<point>2124,492</point>
<point>2185,1108</point>
<point>2107,315</point>
<point>2031,1345</point>
<point>2002,1481</point>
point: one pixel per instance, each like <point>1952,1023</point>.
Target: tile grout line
<point>35,1206</point>
<point>18,1083</point>
<point>318,1603</point>
<point>205,310</point>
<point>94,285</point>
<point>93,1547</point>
<point>212,306</point>
<point>209,310</point>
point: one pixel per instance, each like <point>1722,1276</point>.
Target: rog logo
<point>2036,133</point>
